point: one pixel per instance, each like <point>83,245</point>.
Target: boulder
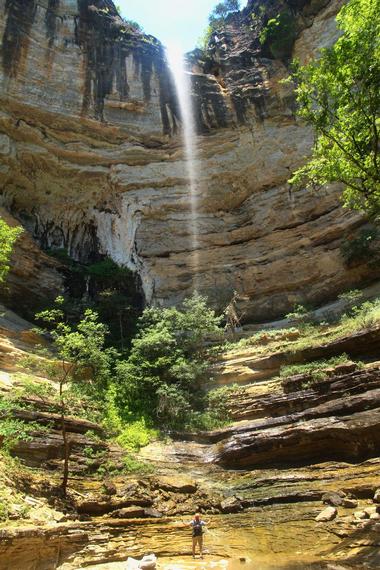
<point>129,513</point>
<point>153,513</point>
<point>345,368</point>
<point>334,498</point>
<point>327,515</point>
<point>349,503</point>
<point>376,497</point>
<point>319,434</point>
<point>109,488</point>
<point>231,505</point>
<point>361,515</point>
<point>177,484</point>
<point>372,510</point>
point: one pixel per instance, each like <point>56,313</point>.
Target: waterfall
<point>182,81</point>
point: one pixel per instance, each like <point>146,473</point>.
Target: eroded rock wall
<point>92,159</point>
<point>35,279</point>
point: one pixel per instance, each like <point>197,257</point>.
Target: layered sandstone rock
<point>272,510</point>
<point>90,159</point>
<point>335,418</point>
<point>35,278</point>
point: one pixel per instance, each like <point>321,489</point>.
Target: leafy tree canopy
<point>162,378</point>
<point>339,95</point>
<point>217,20</point>
<point>81,347</point>
<point>83,360</point>
<point>8,237</point>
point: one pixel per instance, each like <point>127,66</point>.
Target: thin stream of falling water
<point>183,87</point>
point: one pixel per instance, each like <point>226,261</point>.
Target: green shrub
<point>61,254</point>
<point>8,237</point>
<point>136,435</point>
<point>216,413</point>
<point>363,316</point>
<point>301,315</point>
<point>31,388</point>
<point>107,468</point>
<point>352,300</point>
<point>93,436</point>
<point>315,370</point>
<point>12,431</point>
<point>12,504</point>
<point>38,366</point>
<point>5,504</point>
<point>129,465</point>
<point>218,401</point>
<point>112,421</point>
<point>164,374</point>
<point>133,465</point>
<point>204,421</point>
<point>260,338</point>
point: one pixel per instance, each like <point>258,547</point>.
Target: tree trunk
<point>66,451</point>
<point>66,443</point>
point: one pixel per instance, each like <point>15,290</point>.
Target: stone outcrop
<point>352,437</point>
<point>336,418</point>
<point>91,162</point>
<point>35,278</point>
<point>245,368</point>
<point>327,514</point>
<point>250,406</point>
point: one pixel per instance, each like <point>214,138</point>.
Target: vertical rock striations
<point>20,16</point>
<point>91,162</point>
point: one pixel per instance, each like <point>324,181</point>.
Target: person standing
<point>197,525</point>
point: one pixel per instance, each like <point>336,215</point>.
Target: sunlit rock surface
<point>91,162</point>
<point>265,514</point>
<point>35,278</point>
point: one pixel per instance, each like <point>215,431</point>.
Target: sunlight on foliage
<point>338,94</point>
<point>8,237</point>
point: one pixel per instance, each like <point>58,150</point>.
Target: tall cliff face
<point>91,159</point>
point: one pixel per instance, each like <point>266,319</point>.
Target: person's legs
<point>194,543</point>
<point>201,546</point>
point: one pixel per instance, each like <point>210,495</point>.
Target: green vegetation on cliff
<point>158,383</point>
<point>163,376</point>
<point>105,287</point>
<point>278,34</point>
<point>8,237</point>
<point>218,19</point>
<point>82,359</point>
<point>338,94</point>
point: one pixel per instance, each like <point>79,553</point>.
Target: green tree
<point>8,237</point>
<point>82,358</point>
<point>221,11</point>
<point>339,96</point>
<point>162,378</point>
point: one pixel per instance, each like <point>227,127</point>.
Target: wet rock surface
<point>266,514</point>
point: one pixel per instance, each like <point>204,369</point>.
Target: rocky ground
<point>295,482</point>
